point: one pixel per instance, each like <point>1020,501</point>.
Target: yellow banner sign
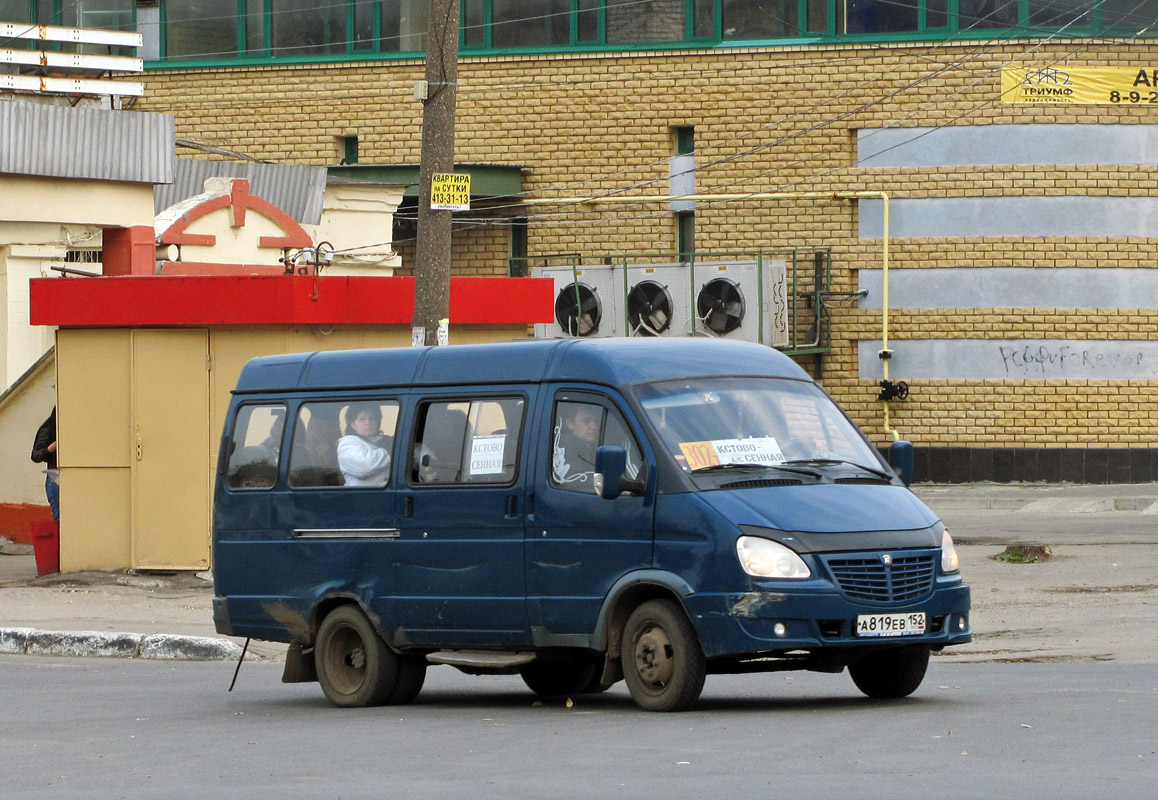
<point>1067,85</point>
<point>699,454</point>
<point>450,191</point>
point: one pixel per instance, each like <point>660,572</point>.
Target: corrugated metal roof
<point>63,142</point>
<point>297,190</point>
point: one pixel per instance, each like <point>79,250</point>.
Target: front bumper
<point>743,624</point>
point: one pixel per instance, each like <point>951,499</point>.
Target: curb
<point>157,646</point>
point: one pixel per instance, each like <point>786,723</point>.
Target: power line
<point>990,45</point>
<point>619,218</point>
<point>994,44</point>
<point>732,69</point>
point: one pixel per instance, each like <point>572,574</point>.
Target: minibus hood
<point>823,507</point>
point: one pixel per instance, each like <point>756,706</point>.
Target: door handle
<point>512,505</point>
<point>139,448</point>
<point>408,507</point>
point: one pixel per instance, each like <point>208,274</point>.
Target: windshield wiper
<point>825,462</point>
<point>780,467</point>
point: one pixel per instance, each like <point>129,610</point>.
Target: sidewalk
<point>169,616</point>
<point>110,614</point>
<point>1041,497</point>
<point>157,616</point>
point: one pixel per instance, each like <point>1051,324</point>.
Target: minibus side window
<point>467,441</point>
<point>578,430</point>
<point>330,449</point>
<point>255,447</point>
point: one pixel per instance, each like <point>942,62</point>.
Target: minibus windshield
<point>719,423</point>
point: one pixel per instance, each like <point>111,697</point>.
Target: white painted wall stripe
<point>981,145</point>
<point>1013,287</point>
<point>1011,359</point>
<point>966,217</point>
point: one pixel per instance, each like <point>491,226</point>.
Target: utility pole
<point>432,271</point>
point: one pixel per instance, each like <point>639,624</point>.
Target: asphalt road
<point>95,728</point>
<point>1056,698</point>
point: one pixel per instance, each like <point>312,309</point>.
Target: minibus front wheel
<point>663,663</point>
<point>355,667</point>
<point>892,673</point>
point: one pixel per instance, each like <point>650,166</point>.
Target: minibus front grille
<point>759,482</point>
<point>870,578</point>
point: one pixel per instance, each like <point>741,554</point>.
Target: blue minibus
<point>577,512</point>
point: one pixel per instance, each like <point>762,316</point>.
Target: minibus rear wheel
<point>890,673</point>
<point>411,676</point>
<point>663,664</point>
<point>355,667</point>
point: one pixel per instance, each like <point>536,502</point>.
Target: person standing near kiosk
<point>44,452</point>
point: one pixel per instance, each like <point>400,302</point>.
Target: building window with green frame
<point>307,28</point>
<point>519,248</point>
<point>1063,13</point>
<point>880,16</point>
<point>987,14</point>
<point>404,24</point>
<point>109,15</point>
<point>530,23</point>
<point>762,19</point>
<point>205,29</point>
<point>229,30</point>
<point>349,149</point>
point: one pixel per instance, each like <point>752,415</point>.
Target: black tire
<point>560,678</point>
<point>355,667</point>
<point>890,673</point>
<point>663,663</point>
<point>596,684</point>
<point>411,676</point>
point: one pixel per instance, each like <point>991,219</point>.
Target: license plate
<point>878,625</point>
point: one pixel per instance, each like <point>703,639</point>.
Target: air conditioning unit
<point>745,300</point>
<point>658,301</point>
<point>588,301</point>
<point>739,300</point>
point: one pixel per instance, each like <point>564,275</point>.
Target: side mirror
<point>901,460</point>
<point>610,466</point>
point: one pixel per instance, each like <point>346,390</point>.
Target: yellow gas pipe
<point>885,354</point>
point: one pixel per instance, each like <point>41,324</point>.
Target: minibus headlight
<point>764,558</point>
<point>949,560</point>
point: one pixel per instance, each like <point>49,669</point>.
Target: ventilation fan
<point>578,310</point>
<point>720,305</point>
<point>649,308</point>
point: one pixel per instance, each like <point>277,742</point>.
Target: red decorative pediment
<point>238,200</point>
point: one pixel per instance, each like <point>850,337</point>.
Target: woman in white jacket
<point>364,453</point>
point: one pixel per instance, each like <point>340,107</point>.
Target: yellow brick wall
<point>768,119</point>
<point>480,246</point>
